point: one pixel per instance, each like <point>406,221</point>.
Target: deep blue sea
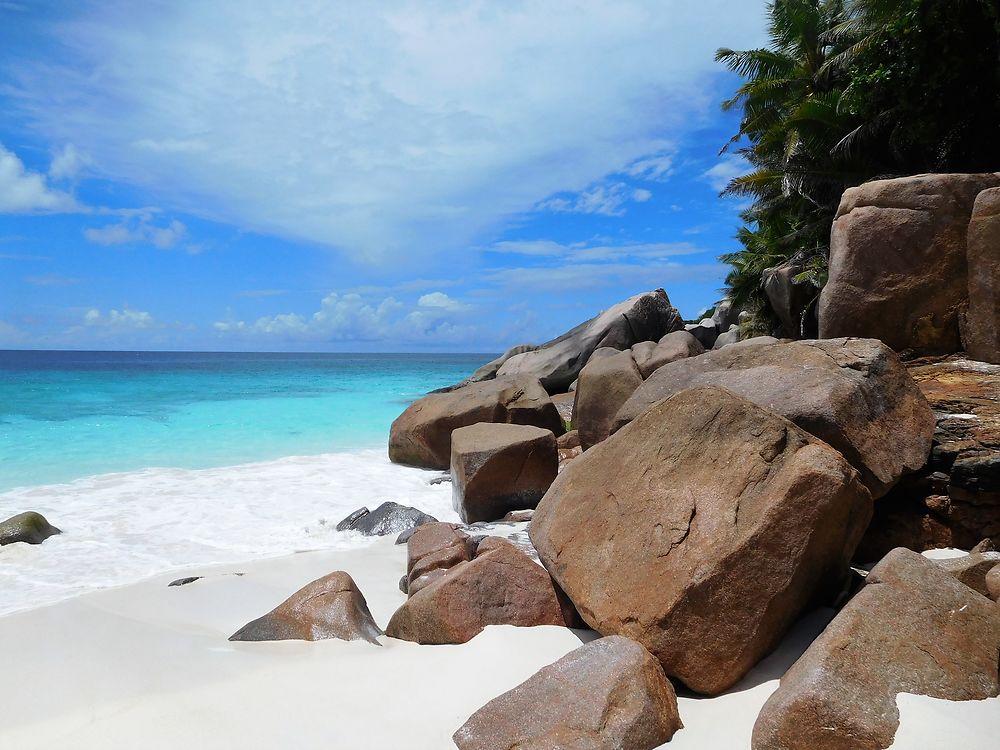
<point>151,462</point>
<point>65,415</point>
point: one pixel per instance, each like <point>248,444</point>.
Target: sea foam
<point>121,528</point>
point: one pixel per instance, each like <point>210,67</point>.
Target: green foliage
<point>846,91</point>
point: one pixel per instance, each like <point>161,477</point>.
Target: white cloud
<point>583,252</point>
<point>138,227</point>
<point>606,200</point>
<point>639,195</point>
<point>68,163</point>
<point>380,128</point>
<point>441,301</point>
<point>435,319</point>
<point>588,276</point>
<point>23,191</point>
<point>125,319</point>
<point>729,166</point>
<point>656,168</point>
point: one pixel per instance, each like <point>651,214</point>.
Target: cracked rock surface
<point>913,628</point>
<point>702,529</point>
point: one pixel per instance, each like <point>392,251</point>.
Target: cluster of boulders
<point>706,497</point>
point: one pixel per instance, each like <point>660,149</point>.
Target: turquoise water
<point>65,415</point>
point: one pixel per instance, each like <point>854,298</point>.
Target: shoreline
<point>128,527</point>
<point>144,664</point>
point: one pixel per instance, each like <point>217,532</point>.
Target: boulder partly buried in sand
<point>702,530</point>
<point>497,468</point>
<point>501,586</point>
<point>605,384</point>
<point>913,628</point>
<point>609,693</point>
<point>388,518</point>
<point>329,607</point>
<point>30,528</point>
<point>421,435</point>
<point>854,394</point>
<point>645,317</point>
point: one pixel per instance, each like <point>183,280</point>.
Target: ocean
<point>151,461</point>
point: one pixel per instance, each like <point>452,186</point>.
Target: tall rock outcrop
<point>981,322</point>
<point>898,261</point>
<point>557,363</point>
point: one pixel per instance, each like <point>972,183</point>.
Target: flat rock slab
<point>608,694</point>
<point>421,435</point>
<point>854,394</point>
<point>955,500</point>
<point>498,468</point>
<point>702,530</point>
<point>329,607</point>
<point>501,586</point>
<point>29,528</point>
<point>913,628</point>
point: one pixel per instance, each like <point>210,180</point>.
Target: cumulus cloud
<point>380,128</point>
<point>139,227</point>
<point>125,319</point>
<point>728,167</point>
<point>23,191</point>
<point>434,319</point>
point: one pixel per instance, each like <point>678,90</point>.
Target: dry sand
<point>147,666</point>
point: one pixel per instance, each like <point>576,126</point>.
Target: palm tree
<point>791,122</point>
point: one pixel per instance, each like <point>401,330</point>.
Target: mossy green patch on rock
<point>30,527</point>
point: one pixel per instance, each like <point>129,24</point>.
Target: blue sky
<point>328,176</point>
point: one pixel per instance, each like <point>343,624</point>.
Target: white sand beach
<point>149,666</point>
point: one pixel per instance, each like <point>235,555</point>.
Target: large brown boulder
<point>496,468</point>
<point>644,317</point>
<point>650,357</point>
<point>898,268</point>
<point>913,628</point>
<point>702,530</point>
<point>605,384</point>
<point>853,393</point>
<point>501,586</point>
<point>431,551</point>
<point>421,435</point>
<point>329,607</point>
<point>609,693</point>
<point>981,322</point>
<point>29,528</point>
